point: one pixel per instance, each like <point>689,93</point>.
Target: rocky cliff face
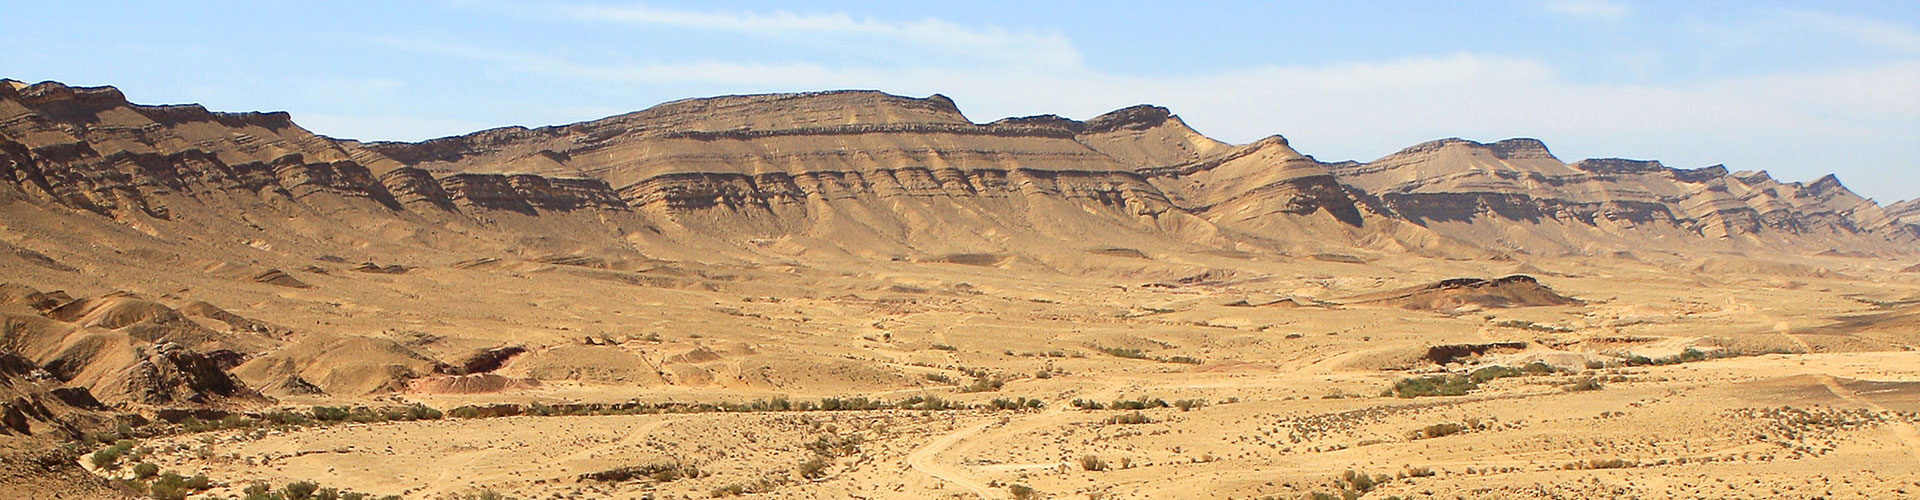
<point>89,149</point>
<point>1470,189</point>
<point>915,176</point>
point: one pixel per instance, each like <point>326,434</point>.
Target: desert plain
<point>1119,341</point>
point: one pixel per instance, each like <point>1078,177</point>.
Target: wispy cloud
<point>1874,32</point>
<point>1604,10</point>
<point>950,38</point>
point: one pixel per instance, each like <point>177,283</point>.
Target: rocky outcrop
<point>529,193</point>
<point>174,374</point>
<point>753,167</point>
<point>88,148</point>
<point>1468,189</point>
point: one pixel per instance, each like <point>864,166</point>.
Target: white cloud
<point>1868,31</point>
<point>384,127</point>
<point>1604,10</point>
<point>952,39</point>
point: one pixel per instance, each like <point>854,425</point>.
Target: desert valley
<point>860,295</point>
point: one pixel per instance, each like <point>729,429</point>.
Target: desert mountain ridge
<point>873,175</point>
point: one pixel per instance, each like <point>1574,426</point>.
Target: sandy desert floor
<point>1810,389</point>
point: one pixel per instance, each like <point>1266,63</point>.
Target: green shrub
<point>330,413</point>
<point>737,489</point>
<point>171,486</point>
<point>261,491</point>
<point>985,384</point>
<point>1438,430</point>
<point>812,468</point>
<point>145,470</point>
<point>299,490</point>
<point>106,458</point>
<point>1123,352</point>
<point>1185,360</point>
<point>483,494</point>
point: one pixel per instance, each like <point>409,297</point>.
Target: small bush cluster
<point>1092,463</point>
<point>833,446</point>
<point>109,458</point>
<point>1128,419</point>
<point>1459,385</point>
<point>1139,403</point>
<point>1529,325</point>
<point>1437,430</point>
<point>1607,463</point>
<point>1131,353</point>
<point>737,489</point>
<point>1352,485</point>
<point>812,468</point>
<point>171,486</point>
<point>309,490</point>
<point>1584,384</point>
<point>985,384</point>
<point>1692,355</point>
<point>1016,404</point>
<point>658,472</point>
<point>1021,492</point>
<point>314,416</point>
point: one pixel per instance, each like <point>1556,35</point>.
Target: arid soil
<point>863,296</point>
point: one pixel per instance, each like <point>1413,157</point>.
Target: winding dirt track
<point>924,460</point>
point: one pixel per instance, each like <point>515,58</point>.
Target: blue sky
<point>1799,89</point>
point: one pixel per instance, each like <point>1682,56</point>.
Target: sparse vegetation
<point>1129,419</point>
<point>1459,385</point>
<point>812,468</point>
<point>1351,485</point>
<point>985,384</point>
<point>1609,463</point>
<point>1437,430</point>
<point>1584,384</point>
<point>657,472</point>
<point>1131,353</point>
<point>1016,404</point>
<point>1021,492</point>
<point>745,488</point>
<point>145,470</point>
<point>1092,463</point>
<point>1529,325</point>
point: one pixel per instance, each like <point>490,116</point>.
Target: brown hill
<point>1469,293</point>
<point>126,350</point>
<point>866,175</point>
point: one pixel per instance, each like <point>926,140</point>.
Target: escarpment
<point>89,149</point>
<point>1469,189</point>
<point>913,172</point>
